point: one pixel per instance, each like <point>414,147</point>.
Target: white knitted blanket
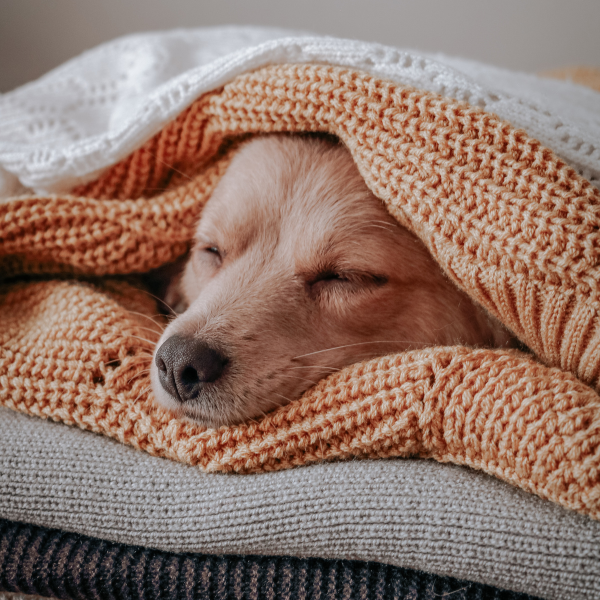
<point>94,110</point>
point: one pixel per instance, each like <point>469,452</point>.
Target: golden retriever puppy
<point>298,270</point>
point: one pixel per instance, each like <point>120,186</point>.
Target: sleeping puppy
<point>297,270</point>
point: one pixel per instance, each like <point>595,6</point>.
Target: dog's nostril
<point>189,376</point>
<point>186,364</point>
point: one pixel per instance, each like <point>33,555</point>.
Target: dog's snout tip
<point>185,364</point>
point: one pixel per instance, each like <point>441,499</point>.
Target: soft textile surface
<point>96,109</point>
<point>587,76</point>
<point>508,221</point>
<point>415,514</point>
<point>73,567</point>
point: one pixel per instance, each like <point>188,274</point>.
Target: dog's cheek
<point>193,282</point>
<point>174,298</point>
<point>357,315</point>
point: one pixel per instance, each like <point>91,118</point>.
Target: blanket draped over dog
<point>508,221</point>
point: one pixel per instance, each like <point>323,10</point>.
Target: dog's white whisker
<point>112,362</point>
<point>299,378</point>
<point>282,396</point>
<point>170,308</point>
<point>149,329</point>
<point>373,223</point>
<point>380,227</point>
<point>138,375</point>
<point>356,344</point>
<point>272,403</point>
<point>269,401</point>
<point>383,224</point>
<point>321,367</point>
<point>169,166</point>
<point>139,314</point>
<point>137,337</point>
<point>144,391</point>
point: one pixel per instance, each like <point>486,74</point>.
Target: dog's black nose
<point>185,364</point>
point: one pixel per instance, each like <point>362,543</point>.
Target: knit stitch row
<point>508,221</point>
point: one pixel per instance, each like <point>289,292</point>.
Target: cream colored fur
<point>298,270</point>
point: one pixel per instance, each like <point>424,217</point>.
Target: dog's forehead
<point>277,182</point>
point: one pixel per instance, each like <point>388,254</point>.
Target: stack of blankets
<point>453,471</point>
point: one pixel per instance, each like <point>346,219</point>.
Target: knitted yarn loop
<point>506,219</point>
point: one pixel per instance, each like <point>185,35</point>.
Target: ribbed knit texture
<point>411,513</point>
<point>17,596</point>
<point>35,560</point>
<point>508,221</point>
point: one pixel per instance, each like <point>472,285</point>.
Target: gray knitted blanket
<point>418,514</point>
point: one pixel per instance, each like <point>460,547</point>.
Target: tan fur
<point>298,270</point>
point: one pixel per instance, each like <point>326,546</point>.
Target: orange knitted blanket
<point>506,219</point>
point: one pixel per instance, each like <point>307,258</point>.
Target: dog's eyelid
<point>345,277</point>
<point>208,254</point>
<point>330,275</point>
<point>209,247</point>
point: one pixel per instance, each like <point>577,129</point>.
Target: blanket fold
<point>57,564</point>
<point>507,220</point>
<point>411,513</point>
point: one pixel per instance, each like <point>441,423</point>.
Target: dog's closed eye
<point>208,255</point>
<point>338,281</point>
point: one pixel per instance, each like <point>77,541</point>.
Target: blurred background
<point>528,35</point>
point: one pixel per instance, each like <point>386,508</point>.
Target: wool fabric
<point>412,513</point>
<point>97,108</point>
<point>507,220</point>
<point>56,564</point>
<point>586,76</point>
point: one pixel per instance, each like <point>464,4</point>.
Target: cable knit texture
<point>507,220</point>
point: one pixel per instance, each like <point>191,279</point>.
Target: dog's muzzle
<point>186,364</point>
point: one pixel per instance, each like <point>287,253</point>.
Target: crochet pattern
<point>507,220</point>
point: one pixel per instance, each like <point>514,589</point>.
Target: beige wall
<point>531,35</point>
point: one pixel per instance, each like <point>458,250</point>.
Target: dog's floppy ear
<point>165,284</point>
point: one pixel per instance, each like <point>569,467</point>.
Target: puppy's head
<point>298,270</point>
